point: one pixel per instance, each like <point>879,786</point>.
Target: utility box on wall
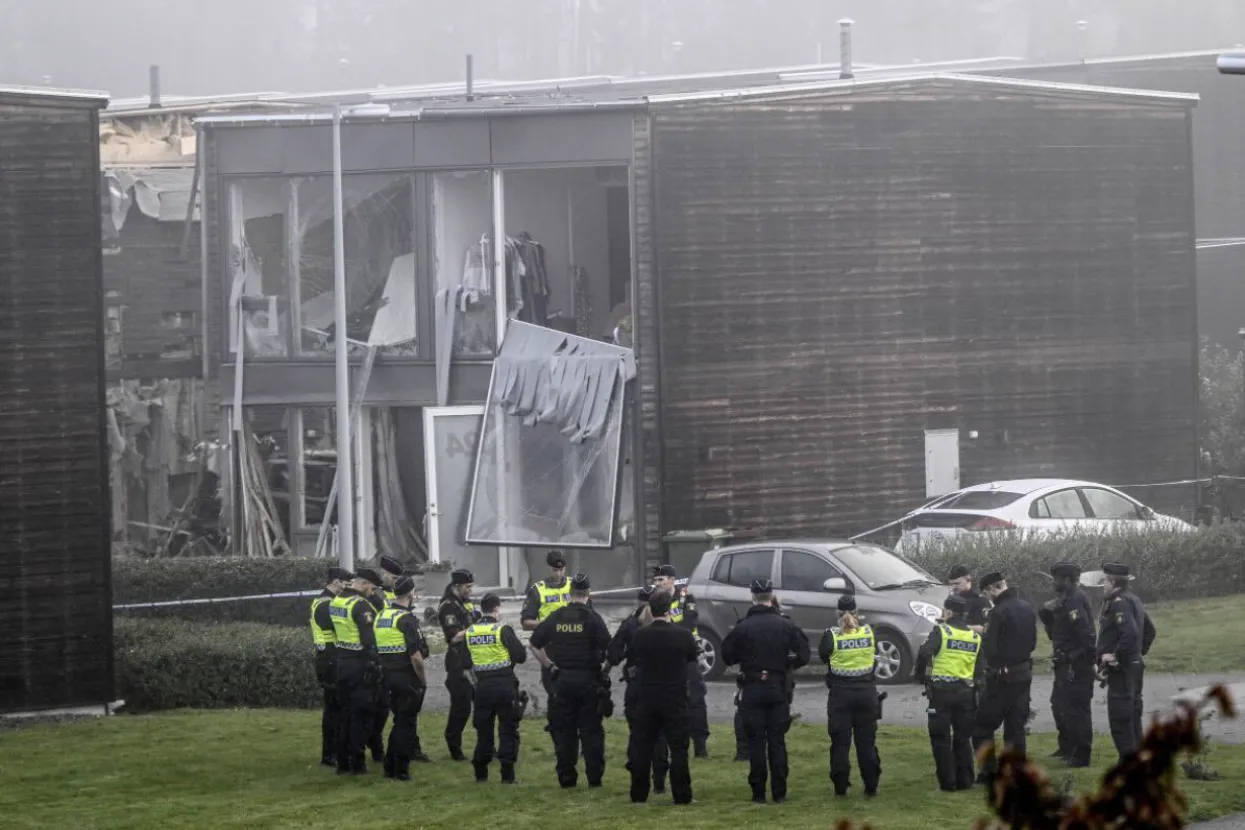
<point>942,462</point>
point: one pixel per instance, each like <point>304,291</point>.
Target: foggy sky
<point>229,46</point>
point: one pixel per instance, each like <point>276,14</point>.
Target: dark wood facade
<point>840,271</point>
<point>1218,166</point>
<point>54,506</point>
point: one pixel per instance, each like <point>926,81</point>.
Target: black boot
<point>659,784</point>
<point>481,772</point>
<point>421,757</point>
<point>456,754</point>
<point>328,761</point>
<point>702,751</point>
<point>507,773</point>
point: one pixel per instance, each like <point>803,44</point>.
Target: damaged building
<point>584,317</point>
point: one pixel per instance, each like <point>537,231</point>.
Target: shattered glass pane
<point>465,308</point>
<point>533,486</point>
<point>259,285</point>
<point>380,263</point>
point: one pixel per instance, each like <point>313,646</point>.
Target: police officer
<point>1069,623</point>
<point>1119,658</point>
<point>1145,625</point>
<point>324,638</point>
<point>768,648</point>
<point>455,613</point>
<point>571,644</point>
<point>683,613</point>
<point>961,581</point>
<point>543,598</point>
<point>358,669</point>
<point>402,650</point>
<point>493,650</point>
<point>390,571</point>
<point>1007,648</point>
<point>741,736</point>
<point>947,664</point>
<point>849,651</point>
<point>662,653</point>
<point>620,652</point>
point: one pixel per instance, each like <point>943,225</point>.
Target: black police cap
<point>391,566</point>
<point>847,602</point>
<point>1115,569</point>
<point>462,576</point>
<point>555,559</point>
<point>339,574</point>
<point>992,578</point>
<point>666,570</point>
<point>403,586</point>
<point>956,603</point>
<point>958,572</point>
<point>579,582</point>
<point>491,602</point>
<point>369,575</point>
<point>1071,570</point>
<point>762,586</point>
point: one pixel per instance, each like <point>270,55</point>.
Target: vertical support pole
<point>345,483</point>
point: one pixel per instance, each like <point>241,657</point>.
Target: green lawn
<point>249,769</point>
<point>1206,636</point>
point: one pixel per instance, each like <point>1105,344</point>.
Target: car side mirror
<point>836,583</point>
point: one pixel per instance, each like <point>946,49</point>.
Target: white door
<point>450,437</point>
<point>942,462</point>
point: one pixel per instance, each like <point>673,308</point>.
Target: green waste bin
<point>684,547</point>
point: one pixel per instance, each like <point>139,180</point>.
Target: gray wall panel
<point>378,146</point>
<point>453,144</point>
<point>249,150</point>
<point>562,139</point>
<point>308,149</point>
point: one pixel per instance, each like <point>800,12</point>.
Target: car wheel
<point>894,663</point>
<point>711,667</point>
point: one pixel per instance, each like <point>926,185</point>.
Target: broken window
<point>259,286</point>
<point>378,215</point>
<point>547,467</point>
<point>465,308</point>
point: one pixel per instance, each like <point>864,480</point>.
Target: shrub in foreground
<point>1207,562</point>
<point>176,664</point>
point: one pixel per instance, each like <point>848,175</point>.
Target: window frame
<point>1033,511</point>
<point>733,553</point>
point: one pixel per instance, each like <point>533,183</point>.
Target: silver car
<point>896,597</point>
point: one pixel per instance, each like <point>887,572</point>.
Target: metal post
<point>345,479</point>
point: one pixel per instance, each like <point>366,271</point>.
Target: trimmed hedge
<point>164,580</point>
<point>1207,562</point>
<point>177,664</point>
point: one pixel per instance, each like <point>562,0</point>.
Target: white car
<point>1039,505</point>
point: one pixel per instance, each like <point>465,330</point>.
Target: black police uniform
<point>1007,649</point>
<point>326,676</point>
<point>1119,634</point>
<point>497,702</point>
<point>1070,625</point>
<point>530,612</point>
<point>852,713</point>
<point>380,713</point>
<point>620,653</point>
<point>662,653</point>
<point>405,692</point>
<point>454,616</point>
<point>952,711</point>
<point>575,639</point>
<point>358,678</point>
<point>1148,632</point>
<point>767,647</point>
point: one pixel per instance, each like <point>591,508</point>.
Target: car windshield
<point>979,500</point>
<point>882,570</point>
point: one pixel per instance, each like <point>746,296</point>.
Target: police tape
<point>174,603</point>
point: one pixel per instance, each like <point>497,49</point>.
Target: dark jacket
<point>662,653</point>
<point>691,617</point>
<point>619,650</point>
<point>1118,632</point>
<point>1070,626</point>
<point>453,617</point>
<point>1011,633</point>
<point>574,637</point>
<point>1145,626</point>
<point>978,607</point>
<point>765,641</point>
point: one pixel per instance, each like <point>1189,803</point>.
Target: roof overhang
<point>47,96</point>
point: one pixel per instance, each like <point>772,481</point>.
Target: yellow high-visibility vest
<point>854,653</point>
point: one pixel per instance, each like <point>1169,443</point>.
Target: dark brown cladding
<point>839,274</point>
<point>54,509</point>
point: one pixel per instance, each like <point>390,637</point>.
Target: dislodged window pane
<point>259,286</point>
<point>319,462</point>
<point>466,311</point>
<point>380,263</point>
<point>547,470</point>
